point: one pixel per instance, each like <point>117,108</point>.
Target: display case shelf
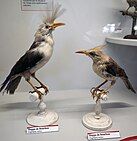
<point>71,106</point>
<point>121,41</point>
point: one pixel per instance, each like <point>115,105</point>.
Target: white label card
<point>42,129</point>
<point>35,5</point>
<point>103,135</point>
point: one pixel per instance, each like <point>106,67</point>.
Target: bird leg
<point>96,89</point>
<point>42,85</point>
<point>111,84</point>
<point>35,89</point>
<point>99,93</point>
<point>127,9</point>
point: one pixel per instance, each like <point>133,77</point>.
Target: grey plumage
<point>115,70</point>
<point>105,67</point>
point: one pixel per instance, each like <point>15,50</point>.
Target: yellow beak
<point>57,25</point>
<point>83,52</point>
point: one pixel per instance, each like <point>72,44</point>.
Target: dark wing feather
<point>26,62</point>
<point>12,85</point>
<point>34,45</point>
<point>37,42</point>
<point>111,69</point>
<point>114,69</point>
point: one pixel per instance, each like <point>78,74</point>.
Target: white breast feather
<point>46,49</point>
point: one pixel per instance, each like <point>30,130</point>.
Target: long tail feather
<point>12,85</point>
<point>5,83</point>
<point>128,84</point>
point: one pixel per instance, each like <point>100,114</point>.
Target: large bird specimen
<point>105,67</point>
<point>37,56</point>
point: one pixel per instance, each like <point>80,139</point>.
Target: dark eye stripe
<point>47,26</point>
<point>92,53</point>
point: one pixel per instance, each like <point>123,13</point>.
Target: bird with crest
<point>38,54</point>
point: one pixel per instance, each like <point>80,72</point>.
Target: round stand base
<point>97,124</point>
<point>42,119</point>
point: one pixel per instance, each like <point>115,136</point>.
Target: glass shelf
<point>121,41</point>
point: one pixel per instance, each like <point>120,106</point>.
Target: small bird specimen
<point>105,67</point>
<point>37,56</point>
<point>132,3</point>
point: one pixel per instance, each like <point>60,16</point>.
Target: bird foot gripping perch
<point>44,90</point>
<point>99,94</point>
<point>43,117</point>
<point>97,120</point>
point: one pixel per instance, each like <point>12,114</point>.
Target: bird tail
<point>5,83</point>
<point>128,84</point>
<point>11,84</point>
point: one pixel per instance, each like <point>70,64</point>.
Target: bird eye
<point>92,53</point>
<point>47,26</point>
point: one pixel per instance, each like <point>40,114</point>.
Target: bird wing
<point>114,69</point>
<point>26,62</point>
<point>38,40</point>
<point>34,45</point>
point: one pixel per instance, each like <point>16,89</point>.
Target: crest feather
<point>54,13</point>
<point>99,47</point>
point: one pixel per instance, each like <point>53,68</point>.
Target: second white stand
<point>97,124</point>
<point>96,120</point>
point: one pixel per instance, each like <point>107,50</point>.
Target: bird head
<point>49,23</point>
<point>95,53</point>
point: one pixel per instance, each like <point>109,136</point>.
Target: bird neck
<point>96,60</point>
<point>101,59</point>
<point>49,39</point>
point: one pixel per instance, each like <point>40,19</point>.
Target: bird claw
<point>102,95</point>
<point>94,91</point>
<point>104,92</point>
<point>45,88</point>
<point>98,93</point>
<point>40,94</point>
<point>31,92</point>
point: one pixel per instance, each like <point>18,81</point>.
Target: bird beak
<point>83,52</point>
<point>57,25</point>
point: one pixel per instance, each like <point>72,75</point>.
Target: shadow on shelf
<point>61,108</point>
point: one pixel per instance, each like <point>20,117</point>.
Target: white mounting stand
<point>96,120</point>
<point>43,117</point>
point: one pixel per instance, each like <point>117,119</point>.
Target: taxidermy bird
<point>105,67</point>
<point>37,56</point>
<point>132,3</point>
